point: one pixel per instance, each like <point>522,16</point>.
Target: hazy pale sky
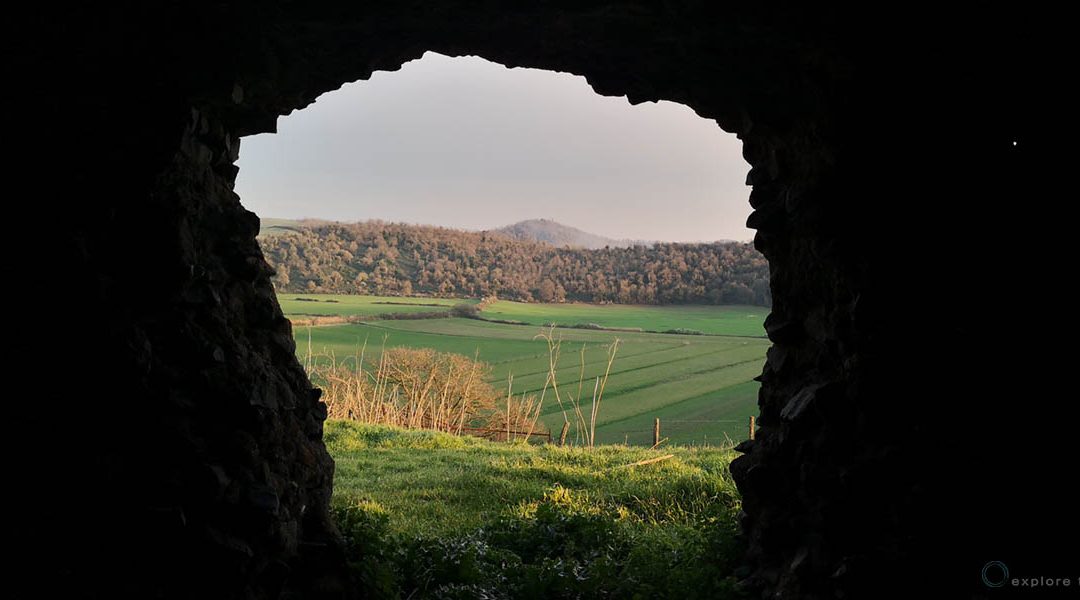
<point>466,143</point>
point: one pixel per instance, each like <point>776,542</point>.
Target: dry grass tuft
<point>419,388</point>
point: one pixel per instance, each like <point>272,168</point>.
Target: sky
<point>471,144</point>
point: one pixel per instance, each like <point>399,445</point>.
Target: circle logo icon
<point>995,574</point>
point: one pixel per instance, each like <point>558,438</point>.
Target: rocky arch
<point>193,434</point>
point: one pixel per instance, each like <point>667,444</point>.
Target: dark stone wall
<point>179,455</point>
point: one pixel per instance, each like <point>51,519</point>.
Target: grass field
<point>700,386</point>
<point>345,304</point>
<point>719,320</point>
<point>435,515</point>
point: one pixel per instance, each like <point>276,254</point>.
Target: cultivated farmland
<point>343,305</point>
<point>717,320</point>
<point>700,386</point>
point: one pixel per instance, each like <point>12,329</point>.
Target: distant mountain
<point>546,231</point>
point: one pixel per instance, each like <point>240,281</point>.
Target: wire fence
<point>658,439</point>
<point>656,431</point>
<point>503,435</point>
<point>685,421</point>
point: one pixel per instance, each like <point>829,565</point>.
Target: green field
<point>434,515</point>
<point>718,320</point>
<point>346,304</point>
<point>700,386</point>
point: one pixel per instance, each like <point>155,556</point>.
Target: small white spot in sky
<point>1014,142</point>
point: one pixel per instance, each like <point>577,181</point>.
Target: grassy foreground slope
<point>427,514</point>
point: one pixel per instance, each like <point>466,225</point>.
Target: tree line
<point>381,258</point>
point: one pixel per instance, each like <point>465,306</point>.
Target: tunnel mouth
<point>405,267</point>
<point>360,416</point>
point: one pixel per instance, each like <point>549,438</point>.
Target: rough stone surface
<point>179,455</point>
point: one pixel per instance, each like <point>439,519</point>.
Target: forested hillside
<point>397,259</point>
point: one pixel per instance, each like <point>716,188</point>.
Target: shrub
<point>467,311</point>
<point>415,388</point>
<point>419,388</point>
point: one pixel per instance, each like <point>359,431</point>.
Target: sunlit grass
<point>436,484</point>
<point>431,515</point>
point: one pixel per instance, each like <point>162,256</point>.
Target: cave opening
<point>466,144</point>
<point>514,144</point>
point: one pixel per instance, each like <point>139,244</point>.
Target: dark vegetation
<point>397,259</point>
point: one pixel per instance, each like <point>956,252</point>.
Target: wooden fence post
<point>656,433</point>
<point>562,435</point>
<point>752,427</point>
